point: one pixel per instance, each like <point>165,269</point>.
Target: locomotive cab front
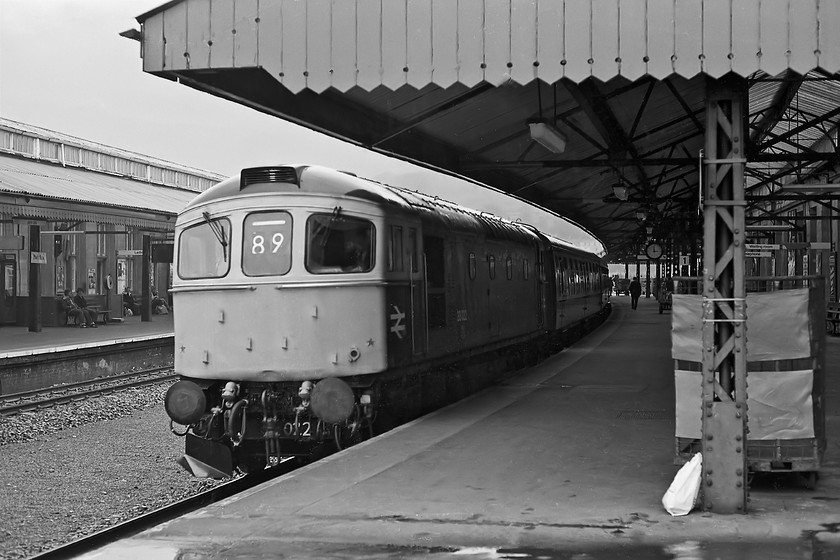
<point>279,299</point>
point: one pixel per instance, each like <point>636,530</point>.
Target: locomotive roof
<point>322,180</point>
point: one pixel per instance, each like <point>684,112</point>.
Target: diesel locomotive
<point>313,308</point>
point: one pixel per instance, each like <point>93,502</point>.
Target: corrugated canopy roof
<point>130,200</point>
<point>454,85</point>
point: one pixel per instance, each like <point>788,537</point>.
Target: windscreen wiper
<point>219,231</point>
<point>336,213</point>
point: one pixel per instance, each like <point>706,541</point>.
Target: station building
<point>91,207</point>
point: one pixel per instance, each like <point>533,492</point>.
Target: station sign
<point>38,257</point>
<point>14,243</point>
<point>130,253</point>
<point>762,246</point>
<point>749,254</point>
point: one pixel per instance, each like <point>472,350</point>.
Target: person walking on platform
<point>82,303</point>
<point>82,316</point>
<point>635,292</point>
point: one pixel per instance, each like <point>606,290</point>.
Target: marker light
<point>185,402</point>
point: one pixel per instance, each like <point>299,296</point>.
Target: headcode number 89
<point>258,243</point>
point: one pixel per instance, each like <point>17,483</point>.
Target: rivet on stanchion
<point>738,437</point>
<point>708,483</point>
<point>738,484</point>
<point>709,437</point>
<point>737,450</point>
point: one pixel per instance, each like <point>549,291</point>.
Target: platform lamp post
<point>724,374</point>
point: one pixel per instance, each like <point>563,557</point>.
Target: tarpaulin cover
<point>777,326</point>
<point>779,404</point>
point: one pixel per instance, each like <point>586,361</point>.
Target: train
<point>314,308</point>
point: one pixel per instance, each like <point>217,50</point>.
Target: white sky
<point>64,67</point>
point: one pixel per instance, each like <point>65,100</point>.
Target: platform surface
<point>573,454</point>
<point>18,341</point>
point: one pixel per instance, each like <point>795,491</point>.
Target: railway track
<point>16,403</point>
<point>138,524</point>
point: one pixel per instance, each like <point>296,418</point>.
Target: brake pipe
<point>236,439</point>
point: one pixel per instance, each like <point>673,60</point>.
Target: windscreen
<point>204,250</point>
<point>336,243</point>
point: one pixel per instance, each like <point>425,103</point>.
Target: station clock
<point>653,251</point>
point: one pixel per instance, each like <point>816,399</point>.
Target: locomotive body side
<point>309,301</point>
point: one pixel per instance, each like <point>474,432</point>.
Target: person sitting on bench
<point>129,303</point>
<point>83,317</point>
<point>80,300</point>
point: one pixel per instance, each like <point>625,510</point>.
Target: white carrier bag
<point>681,496</point>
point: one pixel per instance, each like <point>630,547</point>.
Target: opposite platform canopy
<point>454,83</point>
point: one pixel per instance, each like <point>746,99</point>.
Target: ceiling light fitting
<point>769,227</point>
<point>548,136</point>
<point>814,188</point>
<point>620,191</point>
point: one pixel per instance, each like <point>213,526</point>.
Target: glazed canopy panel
<point>320,44</point>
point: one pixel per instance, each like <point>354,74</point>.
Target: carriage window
<point>525,269</point>
<point>472,266</point>
<point>335,243</point>
<point>266,244</point>
<point>395,249</point>
<point>435,259</point>
<point>412,249</point>
<point>491,266</point>
<point>509,268</point>
<point>204,250</point>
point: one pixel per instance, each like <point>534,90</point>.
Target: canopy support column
<point>724,486</point>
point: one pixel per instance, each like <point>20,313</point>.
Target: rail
<point>16,403</point>
<point>166,513</point>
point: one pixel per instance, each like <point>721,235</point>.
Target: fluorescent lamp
<point>620,191</point>
<point>815,187</point>
<point>548,136</point>
<point>769,227</point>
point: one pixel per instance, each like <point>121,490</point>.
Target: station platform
<point>573,454</point>
<point>59,355</point>
<point>18,341</point>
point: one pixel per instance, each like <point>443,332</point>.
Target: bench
<point>832,317</point>
<point>100,315</point>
